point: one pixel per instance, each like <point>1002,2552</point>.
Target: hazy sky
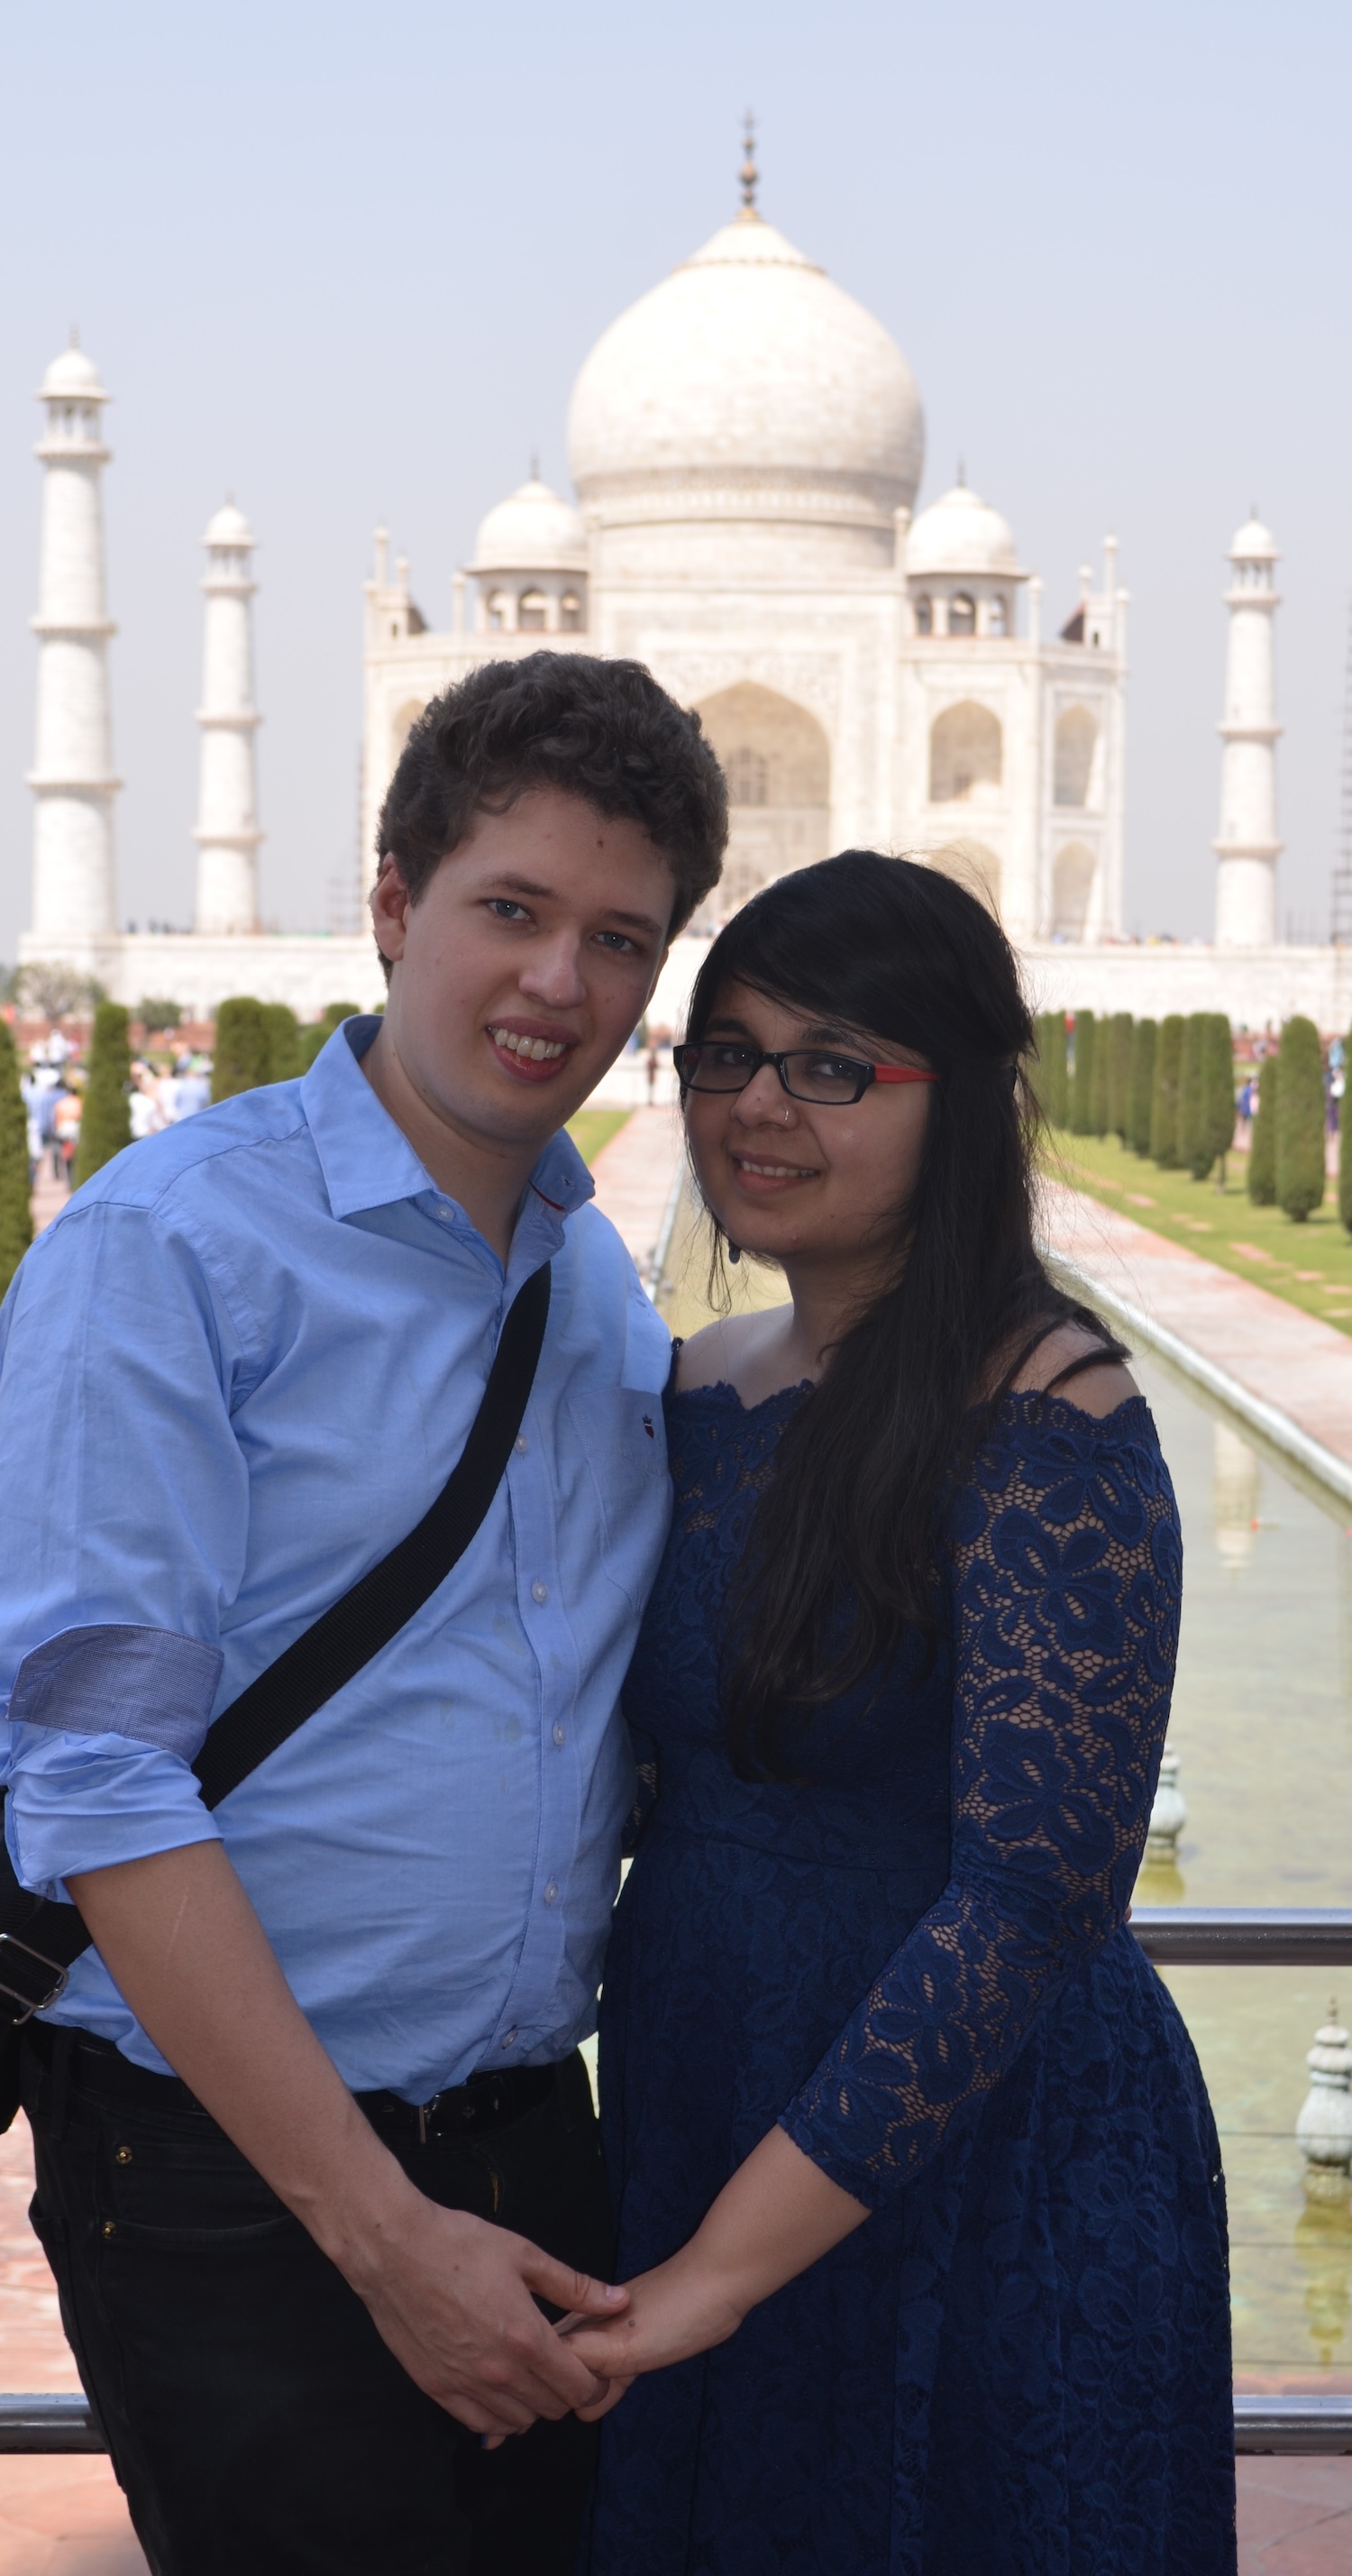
<point>346,261</point>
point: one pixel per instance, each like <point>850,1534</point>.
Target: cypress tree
<point>1120,1034</point>
<point>1344,1148</point>
<point>240,1055</point>
<point>1164,1095</point>
<point>1140,1089</point>
<point>1263,1136</point>
<point>1082,1081</point>
<point>16,1218</point>
<point>105,1119</point>
<point>1193,1154</point>
<point>282,1031</point>
<point>1218,1092</point>
<point>1053,1084</point>
<point>1098,1098</point>
<point>1300,1121</point>
<point>317,1036</point>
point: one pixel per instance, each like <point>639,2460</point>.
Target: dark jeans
<point>256,2421</point>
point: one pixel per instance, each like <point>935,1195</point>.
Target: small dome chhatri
<point>531,531</point>
<point>1253,543</point>
<point>961,533</point>
<point>73,376</point>
<point>228,527</point>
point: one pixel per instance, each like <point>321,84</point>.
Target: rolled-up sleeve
<point>123,1529</point>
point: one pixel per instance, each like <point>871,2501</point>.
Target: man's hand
<point>451,2296</point>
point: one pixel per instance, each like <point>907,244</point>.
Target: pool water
<point>1262,1725</point>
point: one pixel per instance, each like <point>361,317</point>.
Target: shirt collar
<point>368,1162</point>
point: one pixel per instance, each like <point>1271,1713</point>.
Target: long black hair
<point>842,1551</point>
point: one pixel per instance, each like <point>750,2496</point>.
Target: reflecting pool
<point>1262,1726</point>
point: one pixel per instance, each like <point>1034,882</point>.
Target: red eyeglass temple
<point>901,1073</point>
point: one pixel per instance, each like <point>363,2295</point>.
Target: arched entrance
<point>1072,890</point>
<point>777,762</point>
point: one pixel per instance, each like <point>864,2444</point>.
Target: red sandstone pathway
<point>634,1175</point>
<point>1288,1359</point>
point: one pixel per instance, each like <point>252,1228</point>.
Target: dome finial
<point>75,342</point>
<point>535,465</point>
<point>962,473</point>
<point>749,174</point>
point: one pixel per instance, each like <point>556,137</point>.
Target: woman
<point>915,2177</point>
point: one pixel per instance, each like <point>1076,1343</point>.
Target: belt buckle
<point>40,2003</point>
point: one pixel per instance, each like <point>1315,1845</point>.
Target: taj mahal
<point>746,445</point>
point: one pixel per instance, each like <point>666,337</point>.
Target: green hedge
<point>240,1055</point>
<point>1082,1080</point>
<point>105,1118</point>
<point>317,1036</point>
<point>1049,1073</point>
<point>1164,1095</point>
<point>1263,1136</point>
<point>16,1218</point>
<point>1344,1150</point>
<point>1121,1028</point>
<point>1300,1122</point>
<point>1141,1087</point>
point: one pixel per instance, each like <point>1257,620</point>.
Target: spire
<point>227,832</point>
<point>962,473</point>
<point>749,174</point>
<point>74,891</point>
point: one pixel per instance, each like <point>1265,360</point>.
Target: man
<point>328,2033</point>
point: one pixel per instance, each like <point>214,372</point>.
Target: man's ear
<point>391,904</point>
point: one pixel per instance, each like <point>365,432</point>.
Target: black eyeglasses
<point>807,1073</point>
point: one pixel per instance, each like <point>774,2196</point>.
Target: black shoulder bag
<point>40,1940</point>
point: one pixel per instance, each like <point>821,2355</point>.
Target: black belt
<point>487,2101</point>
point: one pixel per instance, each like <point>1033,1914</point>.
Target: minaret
<point>74,892</point>
<point>1246,845</point>
<point>227,806</point>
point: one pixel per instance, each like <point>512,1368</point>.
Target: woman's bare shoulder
<point>1098,1390</point>
<point>711,1356</point>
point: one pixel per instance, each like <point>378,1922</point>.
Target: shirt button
<point>521,1444</point>
<point>552,1892</point>
<point>509,2038</point>
<point>560,1735</point>
<point>445,1211</point>
<point>539,1591</point>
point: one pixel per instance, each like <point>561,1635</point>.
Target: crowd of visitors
<point>53,1095</point>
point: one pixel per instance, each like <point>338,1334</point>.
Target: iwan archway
<point>777,761</point>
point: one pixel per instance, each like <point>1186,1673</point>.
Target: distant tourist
<point>920,2200</point>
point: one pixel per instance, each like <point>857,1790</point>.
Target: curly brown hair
<point>602,731</point>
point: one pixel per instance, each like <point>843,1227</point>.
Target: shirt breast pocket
<point>622,1438</point>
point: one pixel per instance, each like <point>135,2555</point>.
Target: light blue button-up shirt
<point>233,1373</point>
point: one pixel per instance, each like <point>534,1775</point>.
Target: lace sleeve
<point>645,1790</point>
<point>1065,1562</point>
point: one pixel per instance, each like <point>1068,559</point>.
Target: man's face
<point>525,965</point>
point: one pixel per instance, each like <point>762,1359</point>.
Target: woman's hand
<point>777,2215</point>
<point>681,2308</point>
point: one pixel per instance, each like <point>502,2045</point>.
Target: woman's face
<point>794,1178</point>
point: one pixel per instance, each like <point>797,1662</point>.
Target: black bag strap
<point>36,1935</point>
<point>334,1648</point>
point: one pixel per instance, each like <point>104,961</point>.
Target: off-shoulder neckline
<point>721,1392</point>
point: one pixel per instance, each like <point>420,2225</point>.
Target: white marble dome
<point>73,375</point>
<point>747,364</point>
<point>531,531</point>
<point>961,533</point>
<point>228,527</point>
<point>1253,543</point>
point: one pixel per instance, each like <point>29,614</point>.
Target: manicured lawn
<point>593,1128</point>
<point>1310,1264</point>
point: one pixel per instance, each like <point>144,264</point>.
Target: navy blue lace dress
<point>916,1962</point>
